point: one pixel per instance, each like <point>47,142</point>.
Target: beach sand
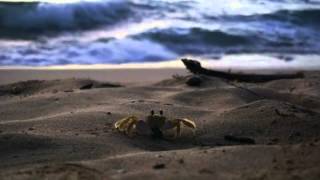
<point>63,129</point>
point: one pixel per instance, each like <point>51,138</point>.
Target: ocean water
<point>45,33</point>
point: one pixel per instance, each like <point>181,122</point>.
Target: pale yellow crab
<point>153,125</point>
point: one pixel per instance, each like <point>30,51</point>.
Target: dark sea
<point>46,33</point>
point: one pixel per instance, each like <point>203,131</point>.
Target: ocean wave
<point>122,31</point>
<point>24,20</point>
<point>111,51</point>
<point>205,41</point>
<point>196,40</point>
<point>36,18</point>
<point>151,46</point>
<point>32,19</point>
<point>299,17</point>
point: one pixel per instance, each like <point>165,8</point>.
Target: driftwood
<point>196,68</point>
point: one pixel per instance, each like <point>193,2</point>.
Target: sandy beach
<point>241,78</point>
<point>59,125</point>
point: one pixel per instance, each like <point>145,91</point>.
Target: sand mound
<point>308,86</point>
<point>236,162</point>
<point>304,100</point>
<point>53,86</point>
<point>266,122</point>
<point>64,171</point>
<point>212,99</point>
<point>13,143</point>
<point>197,81</point>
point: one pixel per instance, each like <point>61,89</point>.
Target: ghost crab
<point>153,125</point>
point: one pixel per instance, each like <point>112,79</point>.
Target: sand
<point>63,129</point>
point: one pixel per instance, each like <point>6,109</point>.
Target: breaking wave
<point>122,31</point>
<point>37,18</point>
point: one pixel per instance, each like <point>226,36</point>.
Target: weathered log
<point>195,67</point>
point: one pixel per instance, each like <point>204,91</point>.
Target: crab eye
<point>161,112</point>
<point>152,112</point>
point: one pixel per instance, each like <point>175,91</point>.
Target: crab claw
<point>126,124</point>
<point>176,123</point>
<point>188,122</point>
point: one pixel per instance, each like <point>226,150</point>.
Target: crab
<point>154,125</point>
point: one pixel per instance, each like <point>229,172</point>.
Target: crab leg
<point>178,128</point>
<point>173,124</point>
